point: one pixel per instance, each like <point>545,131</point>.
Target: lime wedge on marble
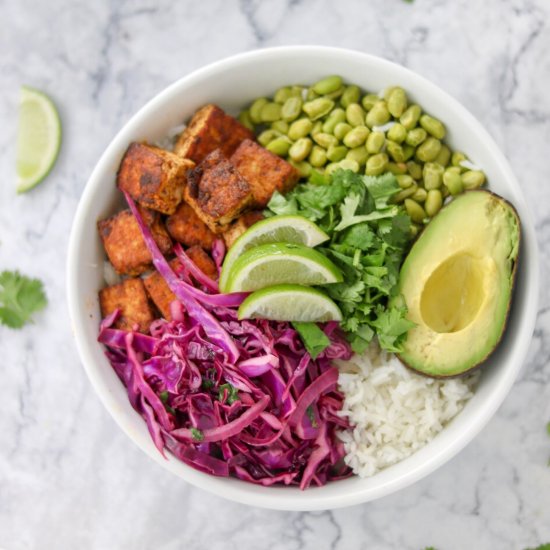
<point>38,138</point>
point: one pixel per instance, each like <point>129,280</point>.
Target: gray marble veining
<point>69,478</point>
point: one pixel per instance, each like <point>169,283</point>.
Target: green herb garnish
<point>197,434</point>
<point>20,297</point>
<point>232,393</point>
<point>314,339</point>
<point>311,415</point>
<point>369,237</point>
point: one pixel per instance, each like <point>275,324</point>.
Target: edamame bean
<point>432,175</point>
<point>410,117</point>
<point>404,181</point>
<point>428,150</point>
<point>256,109</point>
<point>245,120</point>
<point>303,167</point>
<point>397,102</point>
<point>457,158</point>
<point>331,167</point>
<point>414,229</point>
<point>351,95</point>
<point>341,130</point>
<point>336,153</point>
<point>279,146</point>
<point>325,140</point>
<point>444,156</point>
<point>433,203</point>
<point>402,195</point>
<point>282,94</point>
<point>395,151</point>
<point>433,126</point>
<point>291,109</point>
<point>408,151</point>
<point>472,179</point>
<point>318,108</point>
<point>369,101</point>
<point>416,136</point>
<point>297,91</point>
<point>267,136</point>
<point>270,112</point>
<point>453,182</point>
<point>300,128</point>
<point>335,117</point>
<point>356,137</point>
<point>317,157</point>
<point>336,94</point>
<point>378,115</point>
<point>397,133</point>
<point>300,149</point>
<point>327,85</point>
<point>420,195</point>
<point>415,211</point>
<point>311,94</point>
<point>397,169</point>
<point>376,164</point>
<point>280,126</point>
<point>355,114</point>
<point>358,154</point>
<point>414,169</point>
<point>375,142</point>
<point>348,164</point>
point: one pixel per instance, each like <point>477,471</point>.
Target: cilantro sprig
<point>20,297</point>
<point>369,237</point>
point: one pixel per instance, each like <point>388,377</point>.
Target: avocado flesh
<point>457,282</point>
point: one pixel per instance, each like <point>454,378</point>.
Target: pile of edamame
<point>332,125</point>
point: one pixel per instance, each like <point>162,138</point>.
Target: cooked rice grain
<point>393,411</point>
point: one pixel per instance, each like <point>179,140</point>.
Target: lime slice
<point>278,229</point>
<point>38,139</point>
<point>290,303</point>
<point>280,263</point>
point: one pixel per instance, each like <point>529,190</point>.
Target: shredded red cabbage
<point>228,397</point>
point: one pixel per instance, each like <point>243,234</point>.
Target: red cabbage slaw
<point>229,397</point>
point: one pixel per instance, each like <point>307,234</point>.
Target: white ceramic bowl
<point>232,83</point>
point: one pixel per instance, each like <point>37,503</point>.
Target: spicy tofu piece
<point>239,226</point>
<point>187,228</point>
<point>160,292</point>
<point>130,297</point>
<point>264,171</point>
<point>155,178</point>
<point>217,192</point>
<point>124,243</point>
<point>203,261</point>
<point>209,129</point>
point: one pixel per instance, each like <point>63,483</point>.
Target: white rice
<point>393,410</point>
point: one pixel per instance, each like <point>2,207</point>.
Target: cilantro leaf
<point>20,297</point>
<point>369,237</point>
<point>314,339</point>
<point>196,434</point>
<point>232,393</point>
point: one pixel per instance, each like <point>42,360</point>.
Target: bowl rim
<point>275,498</point>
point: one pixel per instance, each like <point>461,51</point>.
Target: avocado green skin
<point>473,353</point>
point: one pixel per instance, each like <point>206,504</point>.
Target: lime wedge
<point>290,303</point>
<point>280,263</point>
<point>278,229</point>
<point>38,139</point>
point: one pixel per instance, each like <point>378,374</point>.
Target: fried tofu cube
<point>209,129</point>
<point>203,261</point>
<point>130,297</point>
<point>187,228</point>
<point>160,292</point>
<point>239,226</point>
<point>124,243</point>
<point>155,178</point>
<point>217,192</point>
<point>264,171</point>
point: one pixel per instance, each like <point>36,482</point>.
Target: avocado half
<point>457,282</point>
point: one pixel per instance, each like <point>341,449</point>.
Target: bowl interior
<point>233,83</point>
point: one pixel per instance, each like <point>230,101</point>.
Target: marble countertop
<point>69,478</point>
